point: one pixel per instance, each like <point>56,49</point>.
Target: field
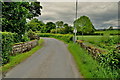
<point>109,31</point>
<point>105,41</point>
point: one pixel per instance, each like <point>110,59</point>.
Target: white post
<point>75,31</point>
<point>56,29</point>
<point>75,36</point>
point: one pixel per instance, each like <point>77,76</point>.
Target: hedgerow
<point>64,37</point>
<point>7,41</point>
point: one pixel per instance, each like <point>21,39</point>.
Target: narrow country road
<point>53,60</point>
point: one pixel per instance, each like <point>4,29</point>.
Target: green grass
<point>109,31</point>
<point>87,66</point>
<point>14,60</point>
<point>104,42</point>
<point>89,38</point>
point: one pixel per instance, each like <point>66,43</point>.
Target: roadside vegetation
<point>87,66</point>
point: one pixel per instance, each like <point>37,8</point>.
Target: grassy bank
<point>14,60</point>
<point>87,66</point>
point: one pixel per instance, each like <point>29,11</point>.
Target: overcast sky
<point>102,14</point>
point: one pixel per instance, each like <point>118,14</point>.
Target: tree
<point>35,25</point>
<point>59,30</point>
<point>14,15</point>
<point>49,26</point>
<point>59,24</point>
<point>67,28</point>
<point>84,25</point>
<point>63,30</point>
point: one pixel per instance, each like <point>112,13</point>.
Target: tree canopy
<point>14,15</point>
<point>35,25</point>
<point>49,26</point>
<point>59,24</point>
<point>63,30</point>
<point>84,25</point>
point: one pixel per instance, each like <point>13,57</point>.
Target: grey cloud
<point>100,13</point>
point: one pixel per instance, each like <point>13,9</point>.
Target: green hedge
<point>7,42</point>
<point>8,39</point>
<point>64,37</point>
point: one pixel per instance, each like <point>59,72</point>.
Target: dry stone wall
<point>23,47</point>
<point>91,49</point>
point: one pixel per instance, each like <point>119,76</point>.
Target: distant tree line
<point>49,27</point>
<point>83,25</point>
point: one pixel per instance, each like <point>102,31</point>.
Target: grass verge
<point>14,60</point>
<point>87,66</point>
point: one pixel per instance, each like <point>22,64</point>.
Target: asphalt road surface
<point>53,60</point>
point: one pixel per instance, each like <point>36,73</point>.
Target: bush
<point>44,34</point>
<point>17,38</point>
<point>32,35</point>
<point>7,42</point>
<point>8,39</point>
<point>53,31</point>
<point>65,37</point>
<point>25,38</point>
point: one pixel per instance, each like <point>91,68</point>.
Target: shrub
<point>7,42</point>
<point>44,34</point>
<point>8,39</point>
<point>25,38</point>
<point>32,35</point>
<point>53,31</point>
<point>17,38</point>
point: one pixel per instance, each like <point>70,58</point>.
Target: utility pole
<point>76,7</point>
<point>75,30</point>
